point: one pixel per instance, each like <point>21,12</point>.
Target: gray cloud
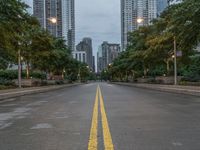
<point>99,19</point>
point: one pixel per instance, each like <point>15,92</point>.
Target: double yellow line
<point>93,142</point>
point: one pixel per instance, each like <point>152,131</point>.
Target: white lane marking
<point>62,117</point>
<point>73,102</point>
<point>18,113</point>
<point>89,84</point>
<point>177,144</point>
<point>8,105</point>
<point>7,100</point>
<point>5,125</point>
<point>42,126</point>
<point>27,134</point>
<point>20,92</point>
<point>76,133</point>
<point>37,103</point>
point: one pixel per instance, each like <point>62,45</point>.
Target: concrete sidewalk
<point>5,94</point>
<point>191,90</point>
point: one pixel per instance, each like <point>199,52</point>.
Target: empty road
<point>98,116</point>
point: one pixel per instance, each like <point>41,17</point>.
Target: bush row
<point>13,74</point>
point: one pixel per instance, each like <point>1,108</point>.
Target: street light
<point>175,62</point>
<point>140,20</point>
<point>19,67</point>
<point>53,20</point>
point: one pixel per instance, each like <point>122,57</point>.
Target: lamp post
<point>140,20</point>
<point>53,20</point>
<point>175,62</point>
<point>79,73</point>
<point>19,66</point>
<point>19,69</point>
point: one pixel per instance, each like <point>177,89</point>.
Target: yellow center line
<point>108,144</point>
<point>92,145</point>
<point>93,142</point>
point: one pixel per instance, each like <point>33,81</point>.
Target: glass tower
<point>63,12</point>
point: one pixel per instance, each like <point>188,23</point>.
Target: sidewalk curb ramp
<point>189,90</point>
<point>26,91</point>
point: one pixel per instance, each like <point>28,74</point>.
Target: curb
<point>8,95</point>
<point>170,89</point>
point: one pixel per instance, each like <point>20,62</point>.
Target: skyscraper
<point>161,5</point>
<point>107,52</point>
<point>135,13</point>
<point>86,45</point>
<point>99,60</point>
<point>62,11</point>
<point>171,2</point>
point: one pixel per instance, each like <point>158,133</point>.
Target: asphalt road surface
<point>100,116</point>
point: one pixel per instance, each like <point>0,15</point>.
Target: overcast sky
<point>98,19</point>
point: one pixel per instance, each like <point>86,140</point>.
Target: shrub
<point>58,82</point>
<point>191,72</point>
<point>10,74</point>
<point>38,75</point>
<point>13,74</point>
<point>6,82</point>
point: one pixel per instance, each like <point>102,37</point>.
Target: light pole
<point>19,69</point>
<point>79,73</point>
<point>53,20</point>
<point>140,20</point>
<point>175,62</point>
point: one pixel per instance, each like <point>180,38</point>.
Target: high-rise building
<point>86,45</point>
<point>161,5</point>
<point>152,10</point>
<point>171,2</point>
<point>99,60</point>
<point>80,56</point>
<point>30,4</point>
<point>93,63</point>
<point>135,13</point>
<point>62,11</point>
<point>106,54</point>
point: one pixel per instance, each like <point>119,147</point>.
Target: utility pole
<point>175,62</point>
<point>19,69</point>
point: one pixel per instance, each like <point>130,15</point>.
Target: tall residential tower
<point>136,13</point>
<point>86,46</point>
<point>62,11</point>
<point>106,54</point>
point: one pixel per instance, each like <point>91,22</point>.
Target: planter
<point>146,80</point>
<point>190,83</point>
<point>29,82</point>
<point>166,80</point>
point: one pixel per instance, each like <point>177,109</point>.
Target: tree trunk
<point>168,67</point>
<point>145,71</point>
<point>27,70</point>
<point>133,75</point>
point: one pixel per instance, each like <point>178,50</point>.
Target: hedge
<point>13,74</point>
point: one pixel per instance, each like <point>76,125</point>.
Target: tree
<point>150,47</point>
